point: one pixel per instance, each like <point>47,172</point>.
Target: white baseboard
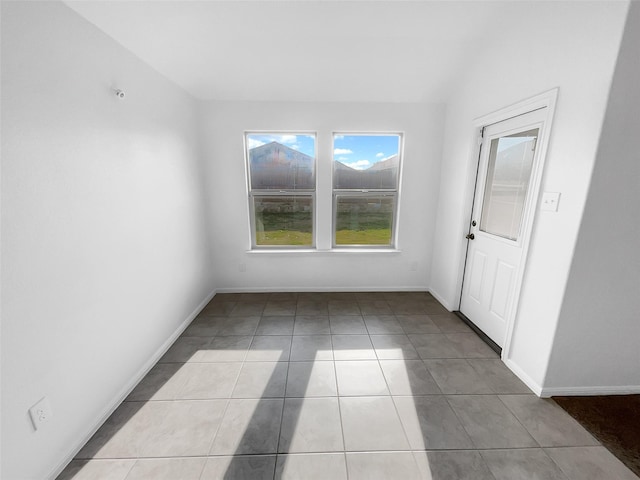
<point>320,289</point>
<point>526,379</point>
<point>444,303</point>
<point>590,391</point>
<point>128,388</point>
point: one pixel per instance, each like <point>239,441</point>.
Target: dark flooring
<point>613,419</point>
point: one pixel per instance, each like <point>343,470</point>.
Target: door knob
<point>471,236</point>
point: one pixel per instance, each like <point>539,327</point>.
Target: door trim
<point>546,100</point>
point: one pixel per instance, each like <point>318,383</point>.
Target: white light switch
<point>550,201</point>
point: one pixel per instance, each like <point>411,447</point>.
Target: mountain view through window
<point>365,189</point>
<point>282,186</point>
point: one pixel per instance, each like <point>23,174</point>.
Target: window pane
<point>283,220</point>
<point>366,161</point>
<point>281,161</point>
<point>508,174</point>
<point>364,220</point>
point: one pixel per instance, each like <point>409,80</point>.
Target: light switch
<point>550,201</point>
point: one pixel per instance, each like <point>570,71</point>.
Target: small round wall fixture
<point>119,93</point>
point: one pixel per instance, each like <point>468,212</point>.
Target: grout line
<point>518,420</point>
<point>135,463</point>
<point>395,407</point>
<point>213,438</point>
<point>460,421</point>
<point>217,429</point>
<point>284,402</point>
<point>338,395</point>
<point>204,466</point>
<point>338,452</point>
<point>344,442</point>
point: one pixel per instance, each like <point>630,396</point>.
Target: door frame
<point>545,100</point>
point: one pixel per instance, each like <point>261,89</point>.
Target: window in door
<point>508,173</point>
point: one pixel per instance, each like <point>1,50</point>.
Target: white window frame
<point>364,193</point>
<point>253,193</point>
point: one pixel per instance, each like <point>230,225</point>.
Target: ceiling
<point>359,51</point>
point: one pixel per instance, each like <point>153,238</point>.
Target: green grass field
<point>285,229</point>
<point>364,237</point>
<point>363,228</point>
<point>296,229</point>
<point>343,237</point>
<point>284,237</point>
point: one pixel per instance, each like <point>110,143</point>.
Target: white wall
<point>596,346</point>
<point>572,46</point>
<point>104,247</point>
<point>224,124</point>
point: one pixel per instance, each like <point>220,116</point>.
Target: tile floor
<point>336,386</point>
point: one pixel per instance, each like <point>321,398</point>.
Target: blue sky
<point>357,151</point>
<point>363,151</point>
<point>510,141</point>
<point>302,143</point>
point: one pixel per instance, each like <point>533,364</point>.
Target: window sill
<point>315,251</point>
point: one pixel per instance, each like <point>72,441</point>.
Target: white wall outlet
<point>242,267</point>
<point>41,413</point>
<point>413,266</point>
<point>550,201</point>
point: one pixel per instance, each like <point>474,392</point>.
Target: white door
<point>501,220</point>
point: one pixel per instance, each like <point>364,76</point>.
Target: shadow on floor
<point>257,380</point>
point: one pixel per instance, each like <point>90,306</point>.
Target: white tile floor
<point>337,386</point>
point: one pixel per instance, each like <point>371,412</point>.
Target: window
<point>365,189</point>
<point>282,184</point>
<point>508,178</point>
<point>281,176</point>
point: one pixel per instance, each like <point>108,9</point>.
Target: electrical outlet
<point>413,267</point>
<point>242,267</point>
<point>41,413</point>
<point>550,201</point>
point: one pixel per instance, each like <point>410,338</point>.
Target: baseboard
<point>546,392</point>
<point>590,391</point>
<point>320,289</point>
<point>441,299</point>
<point>128,388</point>
<point>526,379</point>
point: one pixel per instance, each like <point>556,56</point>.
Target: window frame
<point>306,192</point>
<point>364,193</point>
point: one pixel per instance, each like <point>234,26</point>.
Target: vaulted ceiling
<point>385,51</point>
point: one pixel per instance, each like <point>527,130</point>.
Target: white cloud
<point>285,138</point>
<point>338,137</point>
<point>359,165</point>
<point>342,151</point>
<point>253,143</point>
<point>380,155</point>
<point>343,158</point>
